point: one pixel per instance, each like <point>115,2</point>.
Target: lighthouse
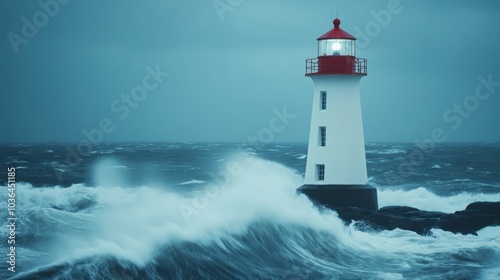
<point>336,174</point>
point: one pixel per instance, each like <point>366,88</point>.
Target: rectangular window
<point>320,172</point>
<point>322,101</point>
<point>322,136</point>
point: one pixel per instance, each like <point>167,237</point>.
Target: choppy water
<point>220,211</point>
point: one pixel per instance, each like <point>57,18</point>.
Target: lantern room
<point>336,54</point>
<point>336,42</point>
<point>344,47</point>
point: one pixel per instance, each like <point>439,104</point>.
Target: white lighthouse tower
<point>336,173</point>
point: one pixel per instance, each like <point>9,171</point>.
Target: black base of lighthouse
<point>336,196</point>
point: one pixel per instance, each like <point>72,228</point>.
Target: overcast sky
<point>234,65</point>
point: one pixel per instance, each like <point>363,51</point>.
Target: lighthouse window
<point>322,136</point>
<point>322,104</point>
<point>345,47</point>
<point>320,172</point>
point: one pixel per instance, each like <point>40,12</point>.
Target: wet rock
<point>474,217</point>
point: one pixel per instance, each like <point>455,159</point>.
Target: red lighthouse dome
<point>336,54</point>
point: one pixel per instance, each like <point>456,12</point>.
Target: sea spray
<point>255,228</point>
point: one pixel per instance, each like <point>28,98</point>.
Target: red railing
<point>359,67</point>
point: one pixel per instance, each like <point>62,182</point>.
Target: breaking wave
<point>247,224</point>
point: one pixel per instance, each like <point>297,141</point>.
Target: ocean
<point>229,211</point>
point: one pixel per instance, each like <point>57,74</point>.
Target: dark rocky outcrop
<point>476,216</point>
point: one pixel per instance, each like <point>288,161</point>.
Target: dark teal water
<point>229,211</point>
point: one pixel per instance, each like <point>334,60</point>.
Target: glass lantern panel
<point>335,47</point>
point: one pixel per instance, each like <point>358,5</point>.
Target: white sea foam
<point>391,151</point>
<point>301,156</point>
<point>386,151</point>
<point>423,199</point>
<point>133,223</point>
<point>191,182</point>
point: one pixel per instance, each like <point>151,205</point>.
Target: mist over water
<point>244,222</point>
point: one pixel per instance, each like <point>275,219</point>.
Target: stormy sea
<point>230,211</point>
